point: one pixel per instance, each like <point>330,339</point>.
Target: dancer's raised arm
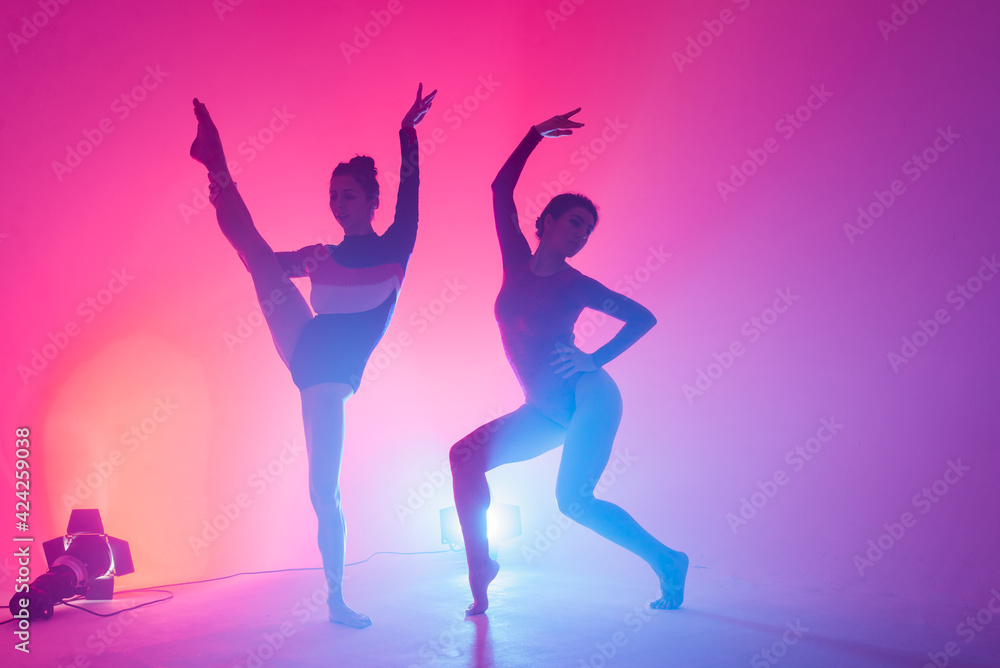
<point>404,225</point>
<point>514,247</point>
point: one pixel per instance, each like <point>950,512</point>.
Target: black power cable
<point>170,595</point>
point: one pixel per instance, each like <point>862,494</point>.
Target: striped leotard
<point>355,285</point>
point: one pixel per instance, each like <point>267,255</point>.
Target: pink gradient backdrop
<point>676,132</point>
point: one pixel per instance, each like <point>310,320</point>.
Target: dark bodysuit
<point>355,285</point>
<point>536,314</point>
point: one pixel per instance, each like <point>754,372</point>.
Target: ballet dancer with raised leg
<point>355,285</point>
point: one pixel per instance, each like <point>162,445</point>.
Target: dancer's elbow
<point>645,320</point>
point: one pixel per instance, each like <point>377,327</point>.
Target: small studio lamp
<point>83,562</point>
<point>503,522</point>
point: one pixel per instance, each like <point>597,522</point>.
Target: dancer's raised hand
<point>559,126</point>
<point>420,108</point>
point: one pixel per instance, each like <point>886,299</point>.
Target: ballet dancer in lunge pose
<point>569,398</point>
<point>354,289</point>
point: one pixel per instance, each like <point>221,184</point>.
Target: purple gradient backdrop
<point>132,206</point>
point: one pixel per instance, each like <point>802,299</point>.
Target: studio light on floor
<point>83,562</point>
<point>503,522</point>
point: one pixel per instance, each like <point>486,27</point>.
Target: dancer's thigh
<point>323,418</point>
<point>515,437</point>
<point>591,434</point>
<point>284,308</point>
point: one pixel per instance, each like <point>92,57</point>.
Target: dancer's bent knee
<point>574,504</point>
<point>467,453</point>
<point>326,503</point>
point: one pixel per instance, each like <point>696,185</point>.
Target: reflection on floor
<point>541,615</point>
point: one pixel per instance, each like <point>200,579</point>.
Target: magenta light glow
<point>804,196</point>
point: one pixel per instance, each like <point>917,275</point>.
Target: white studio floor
<point>540,615</point>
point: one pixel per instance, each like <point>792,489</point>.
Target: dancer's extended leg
<point>515,437</point>
<point>589,439</point>
<point>287,311</point>
<point>323,415</point>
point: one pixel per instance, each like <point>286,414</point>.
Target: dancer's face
<point>568,233</point>
<point>349,205</point>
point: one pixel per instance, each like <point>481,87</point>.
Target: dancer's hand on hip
<point>572,360</point>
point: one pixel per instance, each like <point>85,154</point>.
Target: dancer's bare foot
<point>480,578</point>
<point>341,613</point>
<point>207,145</point>
<point>672,571</point>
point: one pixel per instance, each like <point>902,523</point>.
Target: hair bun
<point>362,169</point>
<point>363,163</point>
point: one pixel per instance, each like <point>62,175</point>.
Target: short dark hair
<point>362,168</point>
<point>560,204</point>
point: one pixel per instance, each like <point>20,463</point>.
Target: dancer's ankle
<point>217,182</point>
